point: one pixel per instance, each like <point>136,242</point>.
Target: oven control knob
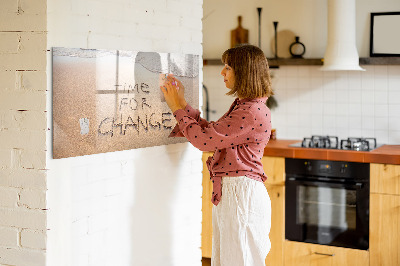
<point>308,166</point>
<point>343,168</point>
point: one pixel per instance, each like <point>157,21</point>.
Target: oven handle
<point>324,254</point>
<point>357,185</point>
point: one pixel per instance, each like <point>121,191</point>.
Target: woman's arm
<point>174,93</point>
<point>239,127</point>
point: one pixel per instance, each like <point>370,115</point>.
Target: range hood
<point>341,51</point>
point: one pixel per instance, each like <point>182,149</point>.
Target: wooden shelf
<point>380,61</point>
<point>274,63</point>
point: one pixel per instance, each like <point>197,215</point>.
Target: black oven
<point>327,202</point>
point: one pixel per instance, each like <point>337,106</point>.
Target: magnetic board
<point>110,100</point>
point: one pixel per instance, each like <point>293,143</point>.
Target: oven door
<point>327,213</point>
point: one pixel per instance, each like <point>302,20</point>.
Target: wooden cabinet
<point>277,233</point>
<point>385,215</point>
<point>206,226</point>
<point>274,168</point>
<point>304,254</point>
<point>385,178</point>
<point>384,221</point>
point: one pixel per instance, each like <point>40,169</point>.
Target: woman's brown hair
<point>250,66</point>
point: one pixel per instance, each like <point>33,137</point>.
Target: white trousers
<point>241,223</point>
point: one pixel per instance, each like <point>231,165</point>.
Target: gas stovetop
<point>332,142</point>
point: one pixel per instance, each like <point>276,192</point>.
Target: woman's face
<point>229,76</point>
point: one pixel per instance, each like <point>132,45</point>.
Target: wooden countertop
<point>389,154</point>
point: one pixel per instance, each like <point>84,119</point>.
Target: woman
<point>242,208</point>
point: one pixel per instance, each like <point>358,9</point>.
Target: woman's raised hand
<point>181,89</point>
<point>172,93</point>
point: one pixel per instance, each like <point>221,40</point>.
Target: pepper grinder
<point>276,38</point>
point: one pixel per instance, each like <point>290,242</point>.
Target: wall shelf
<point>274,63</point>
<point>380,61</point>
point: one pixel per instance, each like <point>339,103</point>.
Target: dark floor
<point>206,261</point>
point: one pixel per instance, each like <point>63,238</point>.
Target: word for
<point>132,103</point>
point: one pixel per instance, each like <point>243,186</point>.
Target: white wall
<point>23,133</point>
<point>135,207</point>
<point>305,18</point>
<point>311,102</point>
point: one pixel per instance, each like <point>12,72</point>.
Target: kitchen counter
<point>389,154</point>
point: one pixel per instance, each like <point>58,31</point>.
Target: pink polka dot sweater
<point>238,139</point>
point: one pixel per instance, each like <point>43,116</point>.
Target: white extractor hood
<point>341,51</point>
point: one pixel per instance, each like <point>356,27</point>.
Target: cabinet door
<point>277,233</point>
<point>385,178</point>
<point>304,254</point>
<point>274,168</point>
<point>384,230</point>
<point>206,225</point>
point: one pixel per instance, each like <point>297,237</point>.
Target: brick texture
<point>23,126</point>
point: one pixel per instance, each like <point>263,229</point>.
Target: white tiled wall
<point>313,102</point>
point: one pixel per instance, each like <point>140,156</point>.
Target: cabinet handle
<point>324,254</point>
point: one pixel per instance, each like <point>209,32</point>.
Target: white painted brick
<point>191,48</point>
<point>108,41</point>
<point>8,197</point>
<point>196,38</point>
<point>33,199</point>
<point>8,237</point>
<point>191,23</point>
<point>34,120</point>
<point>33,239</point>
<point>165,47</point>
<point>37,7</point>
<point>23,100</point>
<point>97,173</point>
<point>98,222</point>
<point>22,218</point>
<point>23,178</point>
<point>179,34</point>
<point>11,21</point>
<point>9,42</point>
<point>79,176</point>
<point>17,256</point>
<point>179,7</point>
<point>80,227</point>
<point>149,6</point>
<point>15,158</point>
<point>33,61</point>
<point>31,80</point>
<point>154,32</point>
<point>114,186</point>
<point>197,11</point>
<point>7,80</point>
<point>5,158</point>
<point>8,6</point>
<point>22,139</point>
<point>168,19</point>
<point>33,159</point>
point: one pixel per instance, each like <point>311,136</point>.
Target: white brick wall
<point>135,207</point>
<point>23,133</point>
